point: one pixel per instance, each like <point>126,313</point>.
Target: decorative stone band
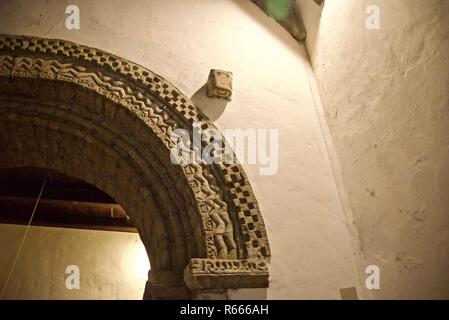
<point>219,220</point>
<point>223,273</point>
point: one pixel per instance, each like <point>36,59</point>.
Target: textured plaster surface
<point>386,99</point>
<point>312,254</point>
<point>113,265</point>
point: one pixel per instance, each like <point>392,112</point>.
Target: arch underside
<point>107,121</point>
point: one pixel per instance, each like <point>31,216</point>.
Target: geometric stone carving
<point>106,120</point>
<point>254,272</point>
<point>219,84</point>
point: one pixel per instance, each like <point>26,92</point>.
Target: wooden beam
<point>65,213</point>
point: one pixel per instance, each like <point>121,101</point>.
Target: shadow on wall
<point>213,108</point>
<point>311,15</point>
<point>273,27</point>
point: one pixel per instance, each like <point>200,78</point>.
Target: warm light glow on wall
<point>138,262</point>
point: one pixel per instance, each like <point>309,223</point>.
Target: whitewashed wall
<point>112,265</point>
<point>385,94</point>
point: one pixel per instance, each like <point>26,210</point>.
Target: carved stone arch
<point>107,121</point>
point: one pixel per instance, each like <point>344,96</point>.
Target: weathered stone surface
<point>219,84</point>
<point>163,292</point>
<point>218,273</point>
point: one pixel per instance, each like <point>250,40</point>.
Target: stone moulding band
<point>220,273</point>
<point>224,229</point>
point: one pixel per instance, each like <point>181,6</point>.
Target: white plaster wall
<point>386,99</point>
<point>312,253</point>
<point>113,265</point>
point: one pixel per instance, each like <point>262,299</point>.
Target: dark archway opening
<point>71,230</point>
<point>65,202</point>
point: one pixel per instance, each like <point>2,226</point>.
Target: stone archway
<point>107,121</point>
